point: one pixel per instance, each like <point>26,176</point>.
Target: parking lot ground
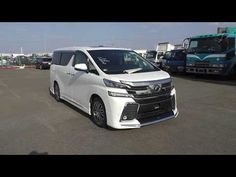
<point>32,121</point>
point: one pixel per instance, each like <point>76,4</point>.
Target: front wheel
<point>57,92</point>
<point>98,112</point>
<point>232,74</point>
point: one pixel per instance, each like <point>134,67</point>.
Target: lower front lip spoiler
<point>160,120</point>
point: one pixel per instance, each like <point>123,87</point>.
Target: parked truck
<point>142,52</point>
<point>161,49</point>
<point>212,53</point>
<point>174,61</point>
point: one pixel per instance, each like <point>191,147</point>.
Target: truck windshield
<point>120,61</point>
<point>210,45</point>
<point>47,59</point>
<point>151,55</point>
<point>175,55</point>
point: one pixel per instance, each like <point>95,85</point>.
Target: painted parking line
<point>10,90</point>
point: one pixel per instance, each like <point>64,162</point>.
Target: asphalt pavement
<point>32,122</point>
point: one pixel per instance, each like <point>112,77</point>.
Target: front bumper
<point>206,70</point>
<point>115,112</point>
<point>174,68</point>
<point>46,65</point>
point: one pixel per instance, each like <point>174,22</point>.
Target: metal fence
<point>7,62</point>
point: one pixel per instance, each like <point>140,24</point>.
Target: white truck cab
<point>116,86</point>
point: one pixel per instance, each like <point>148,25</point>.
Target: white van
<point>116,86</point>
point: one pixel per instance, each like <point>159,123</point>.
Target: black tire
<point>57,95</point>
<point>98,112</point>
<point>232,74</point>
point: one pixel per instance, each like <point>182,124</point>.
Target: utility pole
<point>44,41</point>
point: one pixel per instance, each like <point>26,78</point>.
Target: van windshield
<point>121,61</point>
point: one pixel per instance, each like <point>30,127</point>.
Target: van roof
<point>89,48</point>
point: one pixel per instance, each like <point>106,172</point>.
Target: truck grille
<point>202,63</point>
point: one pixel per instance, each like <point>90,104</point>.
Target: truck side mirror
<point>185,43</point>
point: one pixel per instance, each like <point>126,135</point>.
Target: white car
<point>116,86</point>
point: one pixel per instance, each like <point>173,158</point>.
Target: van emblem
<point>155,88</point>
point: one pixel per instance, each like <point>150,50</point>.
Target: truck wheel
<point>57,92</point>
<point>232,74</point>
<point>98,112</point>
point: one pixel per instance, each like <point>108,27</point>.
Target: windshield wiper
<point>130,71</point>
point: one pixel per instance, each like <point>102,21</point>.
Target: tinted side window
<point>80,57</point>
<point>65,58</point>
<point>56,58</point>
<point>179,56</point>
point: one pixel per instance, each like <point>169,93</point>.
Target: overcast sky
<point>40,37</point>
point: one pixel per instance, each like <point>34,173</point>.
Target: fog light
<point>129,112</point>
<point>125,117</point>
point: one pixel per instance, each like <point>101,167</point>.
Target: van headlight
<point>114,84</point>
<point>116,94</point>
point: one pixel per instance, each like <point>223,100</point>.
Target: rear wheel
<point>99,112</point>
<point>57,92</point>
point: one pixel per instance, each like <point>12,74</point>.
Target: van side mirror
<point>81,67</point>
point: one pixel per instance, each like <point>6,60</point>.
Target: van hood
<point>139,77</point>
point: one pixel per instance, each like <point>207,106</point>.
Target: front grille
<point>202,63</point>
<point>143,95</point>
<point>147,112</point>
<point>154,109</point>
<point>152,99</point>
<point>152,104</point>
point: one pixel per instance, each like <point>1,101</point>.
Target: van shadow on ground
<point>38,153</point>
<point>83,114</point>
